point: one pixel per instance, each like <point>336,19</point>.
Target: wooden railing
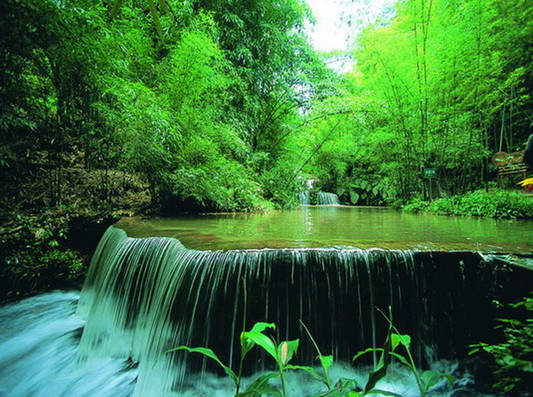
<point>508,164</point>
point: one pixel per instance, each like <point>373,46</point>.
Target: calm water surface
<point>346,227</point>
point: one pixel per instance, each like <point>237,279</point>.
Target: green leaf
<point>260,327</point>
<point>398,339</point>
<point>383,393</point>
<point>310,370</point>
<point>247,343</point>
<point>402,359</point>
<point>449,378</point>
<point>257,338</point>
<point>208,353</point>
<point>286,350</point>
<point>343,388</point>
<point>430,378</point>
<point>381,371</point>
<point>260,387</point>
<point>326,361</point>
<point>363,352</point>
<point>375,376</point>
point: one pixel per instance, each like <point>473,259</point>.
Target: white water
<point>38,353</point>
<point>325,198</point>
<point>39,341</point>
<point>300,384</point>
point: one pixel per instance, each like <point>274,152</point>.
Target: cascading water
<point>145,295</point>
<point>325,198</point>
<point>39,339</point>
<point>304,198</point>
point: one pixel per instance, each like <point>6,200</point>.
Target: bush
<point>513,356</point>
<point>62,265</point>
<point>498,204</point>
<point>280,186</point>
<point>416,206</point>
<point>34,257</point>
<point>445,206</point>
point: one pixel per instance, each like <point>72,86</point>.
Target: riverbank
<point>494,204</point>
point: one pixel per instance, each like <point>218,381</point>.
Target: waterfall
<point>325,198</point>
<point>143,296</point>
<point>304,198</point>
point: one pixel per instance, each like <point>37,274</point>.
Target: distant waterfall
<point>325,198</point>
<point>304,198</point>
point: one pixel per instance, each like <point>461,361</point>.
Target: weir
<point>143,296</point>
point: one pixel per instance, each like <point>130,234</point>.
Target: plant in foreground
<point>283,352</point>
<point>514,355</point>
<point>425,380</point>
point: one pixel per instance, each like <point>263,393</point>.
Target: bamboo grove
<point>224,104</point>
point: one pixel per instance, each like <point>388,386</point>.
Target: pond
<point>338,227</point>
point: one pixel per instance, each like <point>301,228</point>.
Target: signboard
<point>430,173</point>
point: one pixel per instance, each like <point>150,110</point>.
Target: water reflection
<point>338,226</point>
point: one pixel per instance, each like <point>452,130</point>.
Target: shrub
<point>497,204</point>
<point>62,264</point>
<point>445,206</point>
<point>34,257</point>
<point>416,206</point>
<point>513,356</point>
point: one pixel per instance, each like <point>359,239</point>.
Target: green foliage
<point>449,206</point>
<point>371,189</point>
<point>425,380</point>
<point>283,352</point>
<point>514,355</point>
<point>280,184</point>
<point>416,206</point>
<point>186,94</point>
<point>34,257</point>
<point>63,263</point>
<point>436,84</point>
<point>497,204</point>
<point>230,97</point>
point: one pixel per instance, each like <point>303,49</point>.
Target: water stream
<point>39,342</point>
<point>144,295</point>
